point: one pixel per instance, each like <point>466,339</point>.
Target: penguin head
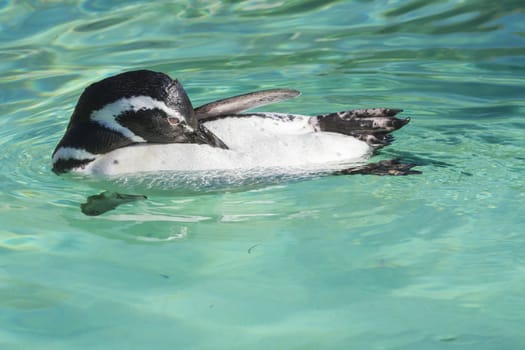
<point>138,105</point>
<point>129,108</point>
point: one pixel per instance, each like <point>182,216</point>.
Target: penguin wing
<point>236,104</point>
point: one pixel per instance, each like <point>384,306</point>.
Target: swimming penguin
<point>142,121</point>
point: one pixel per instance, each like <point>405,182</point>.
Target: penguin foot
<point>371,125</point>
<point>392,167</point>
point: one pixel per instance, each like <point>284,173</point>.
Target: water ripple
<point>357,252</point>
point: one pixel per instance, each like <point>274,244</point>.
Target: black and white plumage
<point>143,121</point>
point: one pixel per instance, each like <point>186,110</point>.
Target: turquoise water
<point>433,261</point>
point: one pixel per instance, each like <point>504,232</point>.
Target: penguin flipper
<point>100,203</point>
<point>236,104</point>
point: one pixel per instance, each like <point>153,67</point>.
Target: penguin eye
<point>173,121</point>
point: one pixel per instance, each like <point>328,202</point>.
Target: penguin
<point>143,121</point>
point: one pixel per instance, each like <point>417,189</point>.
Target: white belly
<point>254,142</point>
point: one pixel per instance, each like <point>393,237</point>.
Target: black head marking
<point>156,85</point>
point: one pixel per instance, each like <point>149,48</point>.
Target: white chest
<point>254,142</point>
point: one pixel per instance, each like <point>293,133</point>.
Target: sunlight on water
<point>293,262</point>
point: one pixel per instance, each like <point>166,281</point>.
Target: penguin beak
<point>199,135</point>
<point>207,137</point>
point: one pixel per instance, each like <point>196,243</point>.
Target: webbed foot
<point>371,125</point>
<point>392,167</point>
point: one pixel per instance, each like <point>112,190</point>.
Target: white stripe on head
<point>66,153</point>
<point>106,116</point>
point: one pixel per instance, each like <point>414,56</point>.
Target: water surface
<point>421,262</point>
